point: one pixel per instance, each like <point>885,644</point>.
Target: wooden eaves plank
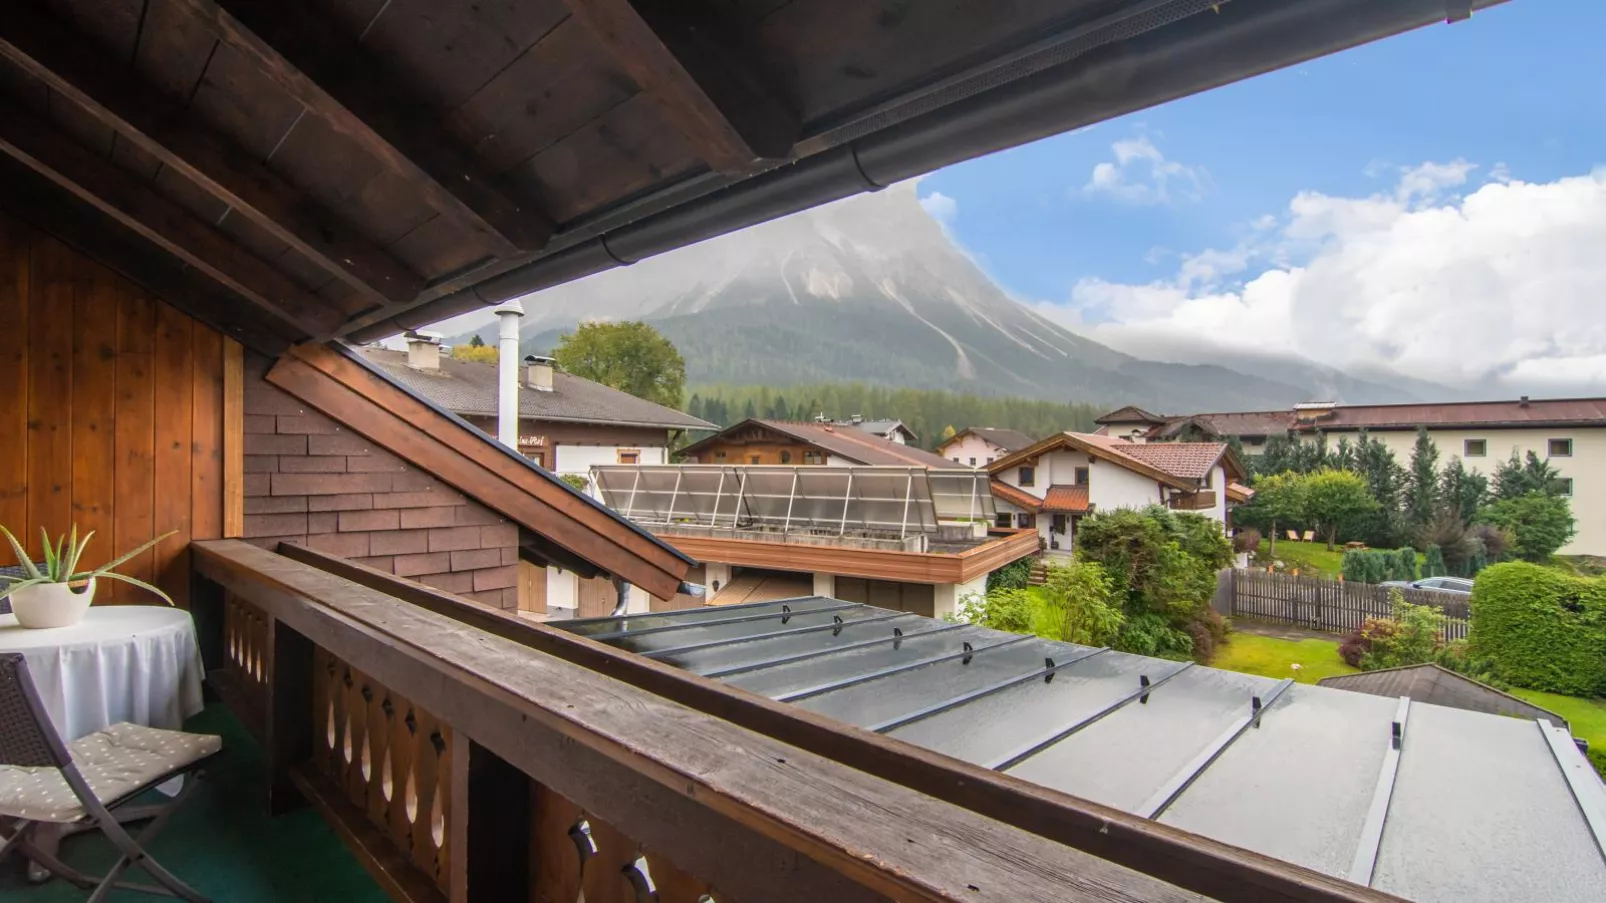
<point>723,108</point>
<point>54,54</point>
<point>294,46</point>
<point>469,461</point>
<point>42,148</point>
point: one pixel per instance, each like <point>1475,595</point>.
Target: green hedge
<point>1541,628</point>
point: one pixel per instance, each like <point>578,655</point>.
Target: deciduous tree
<point>1334,499</point>
<point>629,356</point>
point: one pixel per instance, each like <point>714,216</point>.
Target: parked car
<point>1461,586</point>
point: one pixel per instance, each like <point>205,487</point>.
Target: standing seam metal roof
<point>1463,806</point>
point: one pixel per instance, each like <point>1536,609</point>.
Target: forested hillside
<point>928,412</point>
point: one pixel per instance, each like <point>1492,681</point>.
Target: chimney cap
<point>424,335</point>
<point>510,306</point>
<point>538,359</point>
<point>1523,401</point>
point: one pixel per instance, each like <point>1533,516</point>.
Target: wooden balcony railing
<point>470,755</point>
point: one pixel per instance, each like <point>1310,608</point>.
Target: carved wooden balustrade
<point>467,755</point>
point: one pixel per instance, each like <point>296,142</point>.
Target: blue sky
<point>1519,84</point>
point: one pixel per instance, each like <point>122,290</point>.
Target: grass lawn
<point>1271,657</point>
<point>1587,716</point>
<point>1312,558</point>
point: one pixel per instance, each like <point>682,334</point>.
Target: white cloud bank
<point>1141,174</point>
<point>1500,286</point>
<point>940,207</point>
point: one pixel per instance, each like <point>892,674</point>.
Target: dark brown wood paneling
<point>50,339</point>
<point>136,431</point>
<point>94,409</point>
<point>174,425</point>
<point>118,417</point>
<point>14,312</point>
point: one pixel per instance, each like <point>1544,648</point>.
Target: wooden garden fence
<point>1321,604</point>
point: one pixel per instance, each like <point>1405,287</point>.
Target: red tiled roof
<point>1535,412</point>
<point>1062,499</point>
<point>1020,498</point>
<point>1188,460</point>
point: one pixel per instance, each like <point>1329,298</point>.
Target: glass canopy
<point>889,501</point>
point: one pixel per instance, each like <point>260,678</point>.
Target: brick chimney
<point>538,373</point>
<point>424,350</point>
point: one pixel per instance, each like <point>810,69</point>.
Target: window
<point>1023,520</point>
<point>991,460</point>
<point>539,457</point>
<point>956,460</point>
<point>814,457</point>
<point>1028,476</point>
<point>786,457</point>
<point>719,456</point>
<point>1561,448</point>
<point>1254,440</point>
<point>629,456</point>
<point>972,462</point>
<point>1058,525</point>
<point>1474,448</point>
<point>1003,519</point>
<point>1081,476</point>
<point>1565,485</point>
<point>752,459</point>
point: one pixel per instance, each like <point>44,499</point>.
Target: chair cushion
<point>115,762</point>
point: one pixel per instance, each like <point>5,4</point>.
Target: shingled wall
<point>309,479</point>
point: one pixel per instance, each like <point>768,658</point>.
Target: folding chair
<point>43,780</point>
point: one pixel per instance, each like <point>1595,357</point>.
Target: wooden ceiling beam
<point>723,107</point>
<point>44,149</point>
<point>26,194</point>
<point>106,90</point>
<point>293,45</point>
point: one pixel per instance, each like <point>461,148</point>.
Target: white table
<point>137,663</point>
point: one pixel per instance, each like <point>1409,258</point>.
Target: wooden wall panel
<point>136,432</point>
<point>115,420</point>
<point>14,309</point>
<point>50,341</point>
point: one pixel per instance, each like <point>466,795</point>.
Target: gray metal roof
<point>1423,801</point>
<point>1440,686</point>
<point>470,389</point>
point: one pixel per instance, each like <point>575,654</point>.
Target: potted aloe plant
<point>58,594</point>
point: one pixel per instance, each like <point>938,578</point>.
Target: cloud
<point>940,207</point>
<point>1141,174</point>
<point>1496,288</point>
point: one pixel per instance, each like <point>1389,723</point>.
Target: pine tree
<point>751,411</point>
<point>1407,560</point>
<point>1385,479</point>
<point>476,341</point>
<point>695,406</point>
<point>1462,492</point>
<point>1422,484</point>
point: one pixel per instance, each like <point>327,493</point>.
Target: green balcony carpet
<point>222,841</point>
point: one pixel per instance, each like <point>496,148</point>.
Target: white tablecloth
<point>137,663</point>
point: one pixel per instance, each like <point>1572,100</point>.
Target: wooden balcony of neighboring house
<point>1202,500</point>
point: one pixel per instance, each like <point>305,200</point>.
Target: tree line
<point>934,415</point>
<point>1357,491</point>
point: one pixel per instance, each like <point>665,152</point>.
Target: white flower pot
<point>51,604</point>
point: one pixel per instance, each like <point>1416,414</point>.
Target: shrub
<point>1077,605</point>
<point>1538,523</point>
<point>1007,609</point>
<point>1353,565</point>
<point>1011,576</point>
<point>1410,637</point>
<point>1541,628</point>
<point>579,482</point>
<point>1460,657</point>
<point>1247,540</point>
<point>1149,634</point>
<point>1496,542</point>
<point>1407,563</point>
<point>1433,562</point>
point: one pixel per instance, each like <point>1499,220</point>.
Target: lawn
<point>1271,657</point>
<point>1587,716</point>
<point>1311,558</point>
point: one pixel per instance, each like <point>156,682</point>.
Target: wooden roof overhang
<point>585,534</point>
<point>295,170</point>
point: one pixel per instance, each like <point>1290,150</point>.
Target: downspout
<point>507,370</point>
